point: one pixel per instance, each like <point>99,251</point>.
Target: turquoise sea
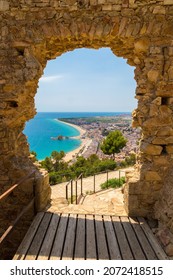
<point>45,125</point>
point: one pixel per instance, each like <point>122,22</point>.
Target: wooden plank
<point>111,238</point>
<point>133,241</point>
<point>79,253</point>
<point>49,238</point>
<point>90,239</point>
<point>152,239</point>
<point>148,250</point>
<point>70,238</point>
<point>59,238</point>
<point>101,239</point>
<point>24,246</point>
<point>122,241</point>
<point>38,238</point>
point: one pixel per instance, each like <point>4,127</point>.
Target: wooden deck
<point>88,237</point>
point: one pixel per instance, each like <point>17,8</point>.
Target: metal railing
<point>24,210</point>
<point>81,189</point>
<point>70,183</point>
<point>73,193</point>
<point>96,174</point>
<point>119,177</point>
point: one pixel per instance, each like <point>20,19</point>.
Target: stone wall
<point>33,32</point>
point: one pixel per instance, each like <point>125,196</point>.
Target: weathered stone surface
<point>165,131</point>
<point>153,76</point>
<point>169,249</point>
<point>151,149</point>
<point>170,73</point>
<point>152,176</point>
<point>141,46</point>
<point>169,149</point>
<point>4,5</point>
<point>159,10</point>
<point>163,235</point>
<point>167,2</point>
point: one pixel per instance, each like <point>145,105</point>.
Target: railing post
<point>81,184</point>
<point>94,183</point>
<point>76,191</point>
<point>67,192</point>
<point>119,177</point>
<point>71,192</point>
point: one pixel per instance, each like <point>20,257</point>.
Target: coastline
<point>85,143</point>
<point>81,130</point>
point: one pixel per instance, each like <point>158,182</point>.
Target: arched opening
<point>82,81</point>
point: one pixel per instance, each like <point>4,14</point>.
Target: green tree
<point>58,162</point>
<point>93,159</point>
<point>47,164</point>
<point>113,143</point>
<point>129,161</point>
<point>57,155</point>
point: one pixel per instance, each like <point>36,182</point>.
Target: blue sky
<point>87,80</point>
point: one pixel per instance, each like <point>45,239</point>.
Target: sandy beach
<point>84,144</point>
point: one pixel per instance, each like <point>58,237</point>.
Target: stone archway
<point>33,32</point>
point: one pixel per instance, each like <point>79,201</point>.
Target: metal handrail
<point>7,193</point>
<point>80,177</point>
<point>24,210</point>
<point>10,228</point>
<point>70,182</point>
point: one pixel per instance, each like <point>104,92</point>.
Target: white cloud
<point>48,79</point>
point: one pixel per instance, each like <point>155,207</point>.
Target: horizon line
<point>84,111</point>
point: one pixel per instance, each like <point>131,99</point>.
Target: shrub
<point>113,183</point>
<point>54,178</point>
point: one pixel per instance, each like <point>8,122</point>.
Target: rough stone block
<point>159,10</point>
<point>159,141</point>
<point>4,5</point>
<point>93,2</point>
<point>151,149</point>
<point>152,176</point>
<point>153,76</point>
<point>169,250</point>
<point>131,3</point>
<point>116,8</point>
<point>169,140</point>
<point>169,149</point>
<point>170,51</point>
<point>170,73</point>
<point>168,2</point>
<point>101,2</point>
<point>125,3</point>
<point>161,160</point>
<point>140,188</point>
<point>170,100</point>
<point>141,46</point>
<point>157,186</point>
<point>165,131</point>
<point>107,7</point>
